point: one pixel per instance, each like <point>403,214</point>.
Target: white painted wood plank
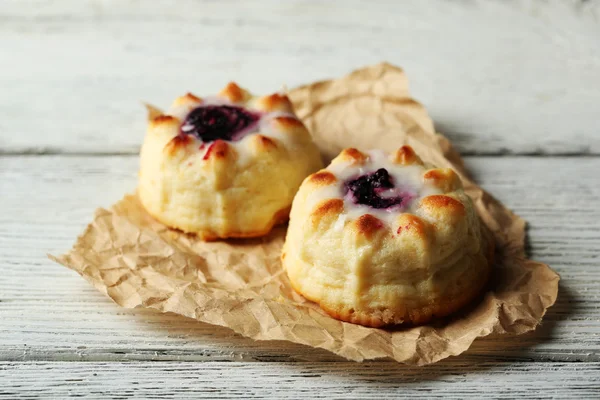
<point>373,380</point>
<point>516,76</point>
<point>49,313</point>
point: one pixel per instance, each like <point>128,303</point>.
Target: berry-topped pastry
<point>226,165</point>
<point>379,239</point>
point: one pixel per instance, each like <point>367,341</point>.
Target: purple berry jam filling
<point>209,123</point>
<point>368,189</point>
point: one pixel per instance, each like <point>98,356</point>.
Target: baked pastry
<point>379,239</point>
<point>225,166</point>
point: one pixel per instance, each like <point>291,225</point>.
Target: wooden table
<point>515,85</point>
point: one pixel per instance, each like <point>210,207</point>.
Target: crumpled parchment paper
<point>240,284</point>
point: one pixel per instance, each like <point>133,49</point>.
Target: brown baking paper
<point>240,284</point>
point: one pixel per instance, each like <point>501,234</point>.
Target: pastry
<point>380,239</point>
<point>225,166</point>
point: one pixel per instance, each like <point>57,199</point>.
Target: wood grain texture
<point>49,313</point>
<point>497,77</point>
<point>515,77</point>
<point>372,380</point>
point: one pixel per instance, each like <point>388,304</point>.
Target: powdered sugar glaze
<point>408,183</point>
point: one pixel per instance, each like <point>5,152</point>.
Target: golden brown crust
<point>352,155</point>
<point>444,178</point>
<point>234,93</point>
<point>442,307</point>
<point>187,99</point>
<point>192,97</point>
<point>405,155</point>
<point>218,150</point>
<point>279,218</point>
<point>178,143</point>
<point>327,208</point>
<point>402,315</point>
<point>288,124</point>
<point>322,178</point>
<point>153,111</point>
<point>367,225</point>
<point>263,143</point>
<point>275,102</point>
<point>163,119</point>
<point>409,224</point>
<point>441,203</point>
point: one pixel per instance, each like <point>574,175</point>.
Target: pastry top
<point>384,186</point>
<point>234,120</point>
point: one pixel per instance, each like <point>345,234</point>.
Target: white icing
<point>406,178</point>
<point>263,126</point>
